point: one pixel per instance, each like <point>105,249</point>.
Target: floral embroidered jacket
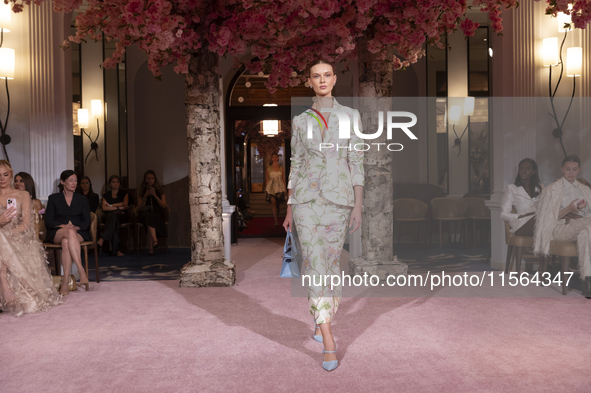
<point>333,170</point>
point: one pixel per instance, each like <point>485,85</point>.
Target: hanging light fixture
<point>270,127</point>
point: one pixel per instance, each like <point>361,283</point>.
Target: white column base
<point>497,232</point>
<point>227,225</point>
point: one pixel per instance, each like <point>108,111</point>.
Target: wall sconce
<point>550,51</point>
<point>270,127</point>
<point>552,57</point>
<point>83,118</point>
<point>564,21</point>
<point>454,118</point>
<point>6,70</point>
<point>574,62</point>
<point>7,59</point>
<point>97,111</point>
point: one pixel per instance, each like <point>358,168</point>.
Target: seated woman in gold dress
<point>25,283</point>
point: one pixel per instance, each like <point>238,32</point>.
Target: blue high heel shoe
<point>331,364</point>
<point>317,337</point>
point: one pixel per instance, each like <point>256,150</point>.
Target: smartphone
<point>10,202</point>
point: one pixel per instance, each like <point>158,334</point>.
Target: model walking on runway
<point>325,197</point>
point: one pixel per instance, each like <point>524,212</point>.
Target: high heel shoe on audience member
<point>62,292</point>
<point>85,284</point>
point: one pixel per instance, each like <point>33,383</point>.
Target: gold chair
<point>84,245</point>
<point>477,211</point>
<point>565,251</point>
<point>409,210</point>
<point>449,210</point>
<point>515,246</point>
<point>139,226</point>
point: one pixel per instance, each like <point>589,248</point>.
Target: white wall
<point>40,122</point>
<point>92,89</point>
<point>457,77</point>
<point>157,122</point>
<point>19,122</point>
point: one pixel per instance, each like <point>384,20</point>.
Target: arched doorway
<point>251,111</point>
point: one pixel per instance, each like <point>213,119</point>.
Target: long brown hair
<point>29,183</point>
<point>144,185</point>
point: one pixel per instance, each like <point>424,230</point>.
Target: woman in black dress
<point>67,218</point>
<point>114,207</point>
<point>85,188</point>
<point>152,208</point>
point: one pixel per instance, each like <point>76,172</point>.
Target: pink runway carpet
<point>152,336</point>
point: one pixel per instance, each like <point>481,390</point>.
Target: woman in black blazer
<point>67,218</point>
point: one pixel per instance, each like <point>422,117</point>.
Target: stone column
<point>208,267</point>
<point>50,102</point>
<point>513,137</point>
<point>378,220</point>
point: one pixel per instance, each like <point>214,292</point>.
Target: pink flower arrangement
<point>286,36</point>
<point>580,12</point>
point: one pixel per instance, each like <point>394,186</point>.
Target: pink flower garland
<point>286,36</point>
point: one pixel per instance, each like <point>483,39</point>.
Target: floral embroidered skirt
<point>321,227</point>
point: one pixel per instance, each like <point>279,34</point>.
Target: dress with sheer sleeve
<point>26,285</point>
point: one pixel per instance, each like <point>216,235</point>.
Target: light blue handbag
<point>289,267</point>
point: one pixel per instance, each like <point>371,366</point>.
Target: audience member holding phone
<point>25,282</point>
<point>152,206</point>
<point>24,182</point>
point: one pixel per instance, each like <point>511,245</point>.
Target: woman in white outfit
<point>564,215</point>
<point>523,195</point>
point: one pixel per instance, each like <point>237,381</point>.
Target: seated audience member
<point>523,195</point>
<point>152,207</point>
<point>67,218</point>
<point>23,181</point>
<point>25,282</point>
<point>85,188</point>
<point>114,207</point>
<point>564,215</point>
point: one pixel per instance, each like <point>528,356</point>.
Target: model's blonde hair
<point>7,165</point>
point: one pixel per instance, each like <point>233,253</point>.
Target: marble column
<point>514,69</point>
<point>51,140</point>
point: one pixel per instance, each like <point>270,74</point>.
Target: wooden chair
<point>130,226</point>
<point>449,210</point>
<point>477,211</point>
<point>84,245</point>
<point>565,251</point>
<point>139,226</point>
<point>409,210</point>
